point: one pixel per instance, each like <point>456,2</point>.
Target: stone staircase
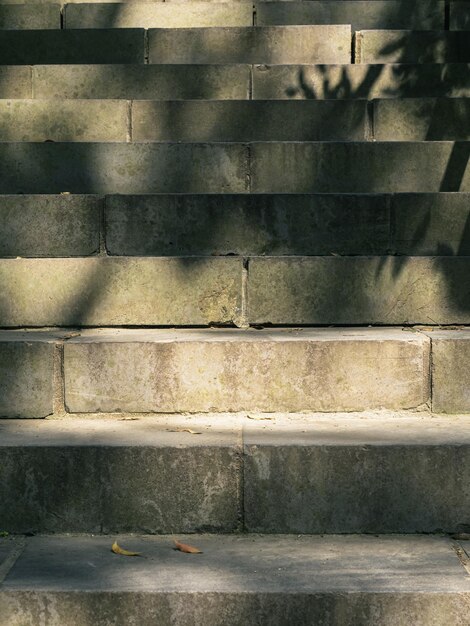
<point>235,286</point>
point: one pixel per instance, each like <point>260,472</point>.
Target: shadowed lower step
<point>370,472</point>
<point>275,581</point>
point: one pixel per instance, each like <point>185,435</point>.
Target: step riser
<point>323,167</point>
<point>141,121</point>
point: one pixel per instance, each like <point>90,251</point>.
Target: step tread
<point>240,564</point>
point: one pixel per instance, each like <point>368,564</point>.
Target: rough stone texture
<point>63,120</point>
<point>32,47</point>
<point>459,16</point>
<point>233,370</point>
<point>354,167</point>
<point>264,44</point>
<point>152,82</point>
<point>359,290</point>
<point>26,371</point>
<point>422,120</point>
<point>113,292</point>
<point>248,121</point>
<point>15,82</point>
<point>362,15</point>
<point>277,580</point>
<point>450,371</point>
<point>401,46</point>
<point>49,225</point>
<point>431,224</point>
<point>80,476</point>
<point>377,475</point>
<point>122,168</point>
<point>254,224</point>
<point>360,81</point>
<point>25,16</point>
<point>159,15</point>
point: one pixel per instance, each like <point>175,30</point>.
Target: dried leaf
<point>118,550</point>
<point>183,547</point>
<point>183,430</point>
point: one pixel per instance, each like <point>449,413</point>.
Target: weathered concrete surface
<point>401,46</point>
<point>252,224</point>
<point>248,121</point>
<point>264,44</point>
<point>357,475</point>
<point>100,168</point>
<point>450,371</point>
<point>278,580</point>
<point>25,16</point>
<point>360,81</point>
<point>353,167</point>
<point>113,292</point>
<point>423,119</point>
<point>152,82</point>
<point>158,15</point>
<point>80,476</point>
<point>459,16</point>
<point>233,370</point>
<point>44,225</point>
<point>15,82</point>
<point>362,15</point>
<point>26,374</point>
<point>431,224</point>
<point>63,120</point>
<point>32,47</point>
<point>359,290</point>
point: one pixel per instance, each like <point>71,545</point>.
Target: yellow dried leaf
<point>118,550</point>
<point>183,547</point>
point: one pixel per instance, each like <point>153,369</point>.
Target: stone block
<point>63,120</point>
<point>359,290</point>
<point>398,475</point>
<point>261,224</point>
<point>80,476</point>
<point>263,44</point>
<point>459,15</point>
<point>158,15</point>
<point>15,82</point>
<point>425,119</point>
<point>331,82</point>
<point>248,121</point>
<point>29,16</point>
<point>49,225</point>
<point>149,82</point>
<point>26,374</point>
<point>450,371</point>
<point>239,579</point>
<point>34,47</point>
<point>359,167</point>
<point>361,14</point>
<point>99,291</point>
<point>431,224</point>
<point>406,46</point>
<point>101,168</point>
<point>233,370</point>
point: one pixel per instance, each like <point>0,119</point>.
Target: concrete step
<point>235,224</point>
<point>379,472</point>
<point>257,167</point>
<point>361,15</point>
<point>220,370</point>
<point>237,120</point>
<point>235,82</point>
<point>261,44</point>
<point>29,16</point>
<point>252,580</point>
<point>402,46</point>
